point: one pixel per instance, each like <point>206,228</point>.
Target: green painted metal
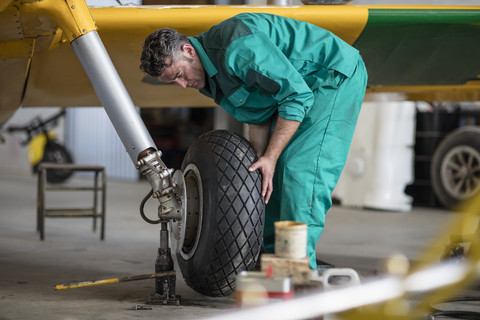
<point>421,46</point>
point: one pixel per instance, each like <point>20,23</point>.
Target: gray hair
<point>159,50</point>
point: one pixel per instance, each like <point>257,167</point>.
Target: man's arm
<point>259,135</point>
<point>283,132</point>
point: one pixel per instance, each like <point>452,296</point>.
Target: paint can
<point>290,239</point>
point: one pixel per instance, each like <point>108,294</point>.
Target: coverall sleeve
<point>260,63</point>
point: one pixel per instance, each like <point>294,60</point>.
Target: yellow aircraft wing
<point>424,52</point>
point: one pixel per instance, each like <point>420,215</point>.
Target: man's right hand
<point>283,132</point>
<point>266,165</point>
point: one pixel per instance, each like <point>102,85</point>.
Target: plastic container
<point>380,162</point>
<point>260,288</point>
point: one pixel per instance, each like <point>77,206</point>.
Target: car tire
<point>455,169</point>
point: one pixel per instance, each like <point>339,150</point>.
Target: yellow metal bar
<point>465,225</point>
<point>85,284</point>
<point>113,280</point>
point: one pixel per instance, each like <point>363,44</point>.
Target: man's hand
<point>267,168</point>
<point>283,132</point>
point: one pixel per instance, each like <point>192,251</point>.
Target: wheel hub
<point>186,233</point>
<point>177,232</point>
<point>460,172</point>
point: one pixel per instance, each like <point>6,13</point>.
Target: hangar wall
<point>92,140</point>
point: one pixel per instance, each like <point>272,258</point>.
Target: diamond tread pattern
<point>239,214</point>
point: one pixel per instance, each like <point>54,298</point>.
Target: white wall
<point>87,133</point>
<point>93,141</point>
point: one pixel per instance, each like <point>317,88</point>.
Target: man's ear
<point>188,50</point>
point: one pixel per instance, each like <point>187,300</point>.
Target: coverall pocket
<point>239,97</point>
<point>324,78</point>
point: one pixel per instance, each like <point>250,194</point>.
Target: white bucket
<point>290,239</point>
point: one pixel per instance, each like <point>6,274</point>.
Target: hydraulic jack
<point>165,275</point>
<point>170,191</point>
<point>164,285</point>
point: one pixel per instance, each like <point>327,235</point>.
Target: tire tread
<point>239,215</point>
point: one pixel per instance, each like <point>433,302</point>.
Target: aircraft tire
<point>455,169</point>
<point>225,213</point>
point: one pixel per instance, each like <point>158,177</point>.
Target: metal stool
<point>89,212</point>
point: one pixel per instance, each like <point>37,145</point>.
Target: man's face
<point>186,71</point>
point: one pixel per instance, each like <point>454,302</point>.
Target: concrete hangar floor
<point>30,269</point>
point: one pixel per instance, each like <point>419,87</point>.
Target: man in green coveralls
<point>299,87</point>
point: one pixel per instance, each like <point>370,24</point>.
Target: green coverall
<point>260,66</point>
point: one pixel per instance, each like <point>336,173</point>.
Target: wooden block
<point>298,269</point>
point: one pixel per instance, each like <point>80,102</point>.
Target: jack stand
<point>164,286</point>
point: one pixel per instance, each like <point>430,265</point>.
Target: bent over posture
<point>298,86</point>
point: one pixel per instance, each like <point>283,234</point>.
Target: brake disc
<point>177,229</point>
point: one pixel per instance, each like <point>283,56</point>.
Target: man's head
<point>170,57</point>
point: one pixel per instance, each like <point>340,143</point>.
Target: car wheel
<point>455,169</point>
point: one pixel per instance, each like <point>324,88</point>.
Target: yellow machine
<point>43,147</point>
<point>36,147</point>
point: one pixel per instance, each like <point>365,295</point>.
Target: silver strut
<point>129,126</point>
<point>112,94</point>
<point>167,188</point>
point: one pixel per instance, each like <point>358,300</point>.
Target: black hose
<point>142,213</point>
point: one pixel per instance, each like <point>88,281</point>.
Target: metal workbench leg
<point>41,203</point>
<point>39,200</point>
<point>104,186</point>
<point>95,191</point>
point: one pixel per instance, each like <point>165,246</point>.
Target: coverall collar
<point>210,69</point>
<point>207,64</point>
